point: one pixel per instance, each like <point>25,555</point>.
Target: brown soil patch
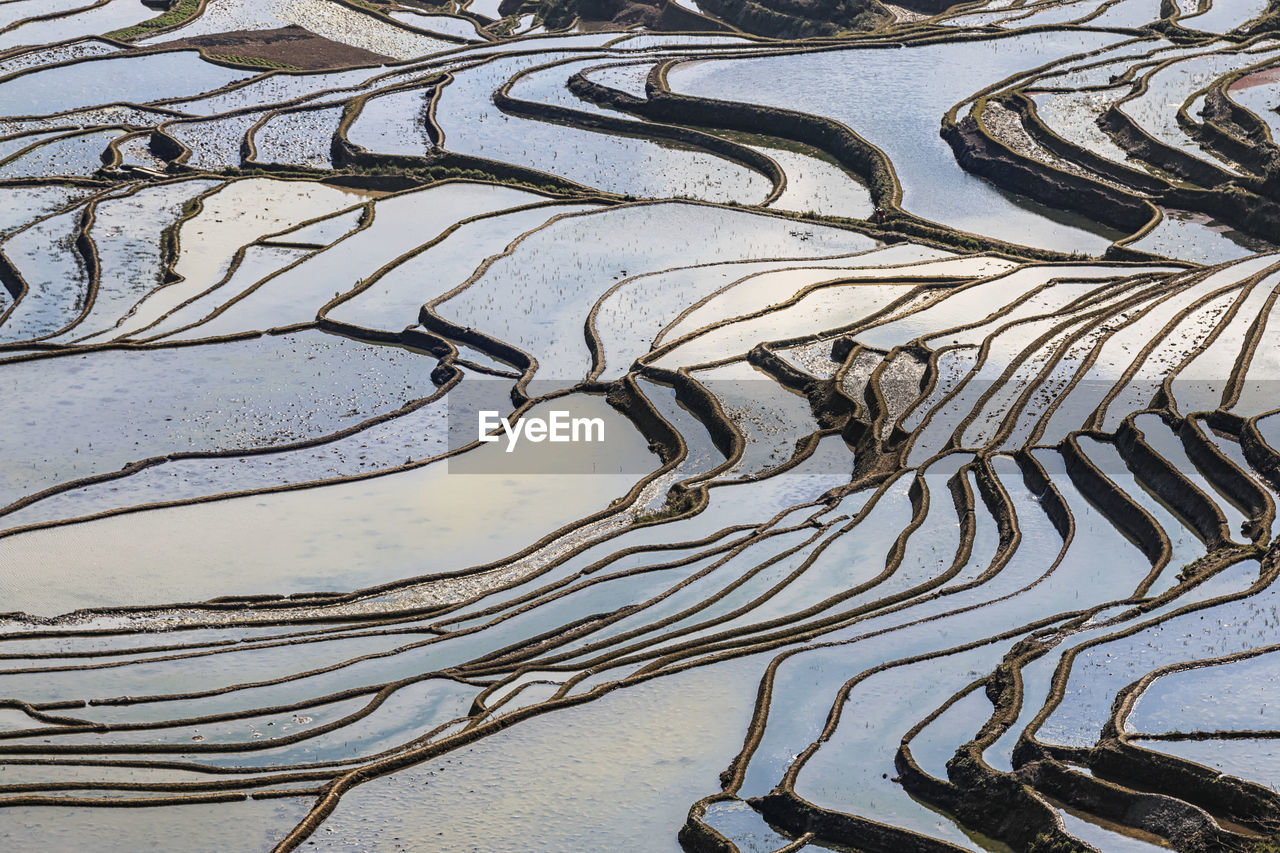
<point>1266,76</point>
<point>622,13</point>
<point>292,46</point>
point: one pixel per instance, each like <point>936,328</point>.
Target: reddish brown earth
<point>290,45</point>
<point>1267,76</point>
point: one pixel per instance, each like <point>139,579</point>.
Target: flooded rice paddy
<point>932,350</point>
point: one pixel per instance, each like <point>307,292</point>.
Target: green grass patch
<point>1046,843</point>
<point>252,61</point>
<point>182,12</point>
<point>505,27</point>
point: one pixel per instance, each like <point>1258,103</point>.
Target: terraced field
<point>937,347</point>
